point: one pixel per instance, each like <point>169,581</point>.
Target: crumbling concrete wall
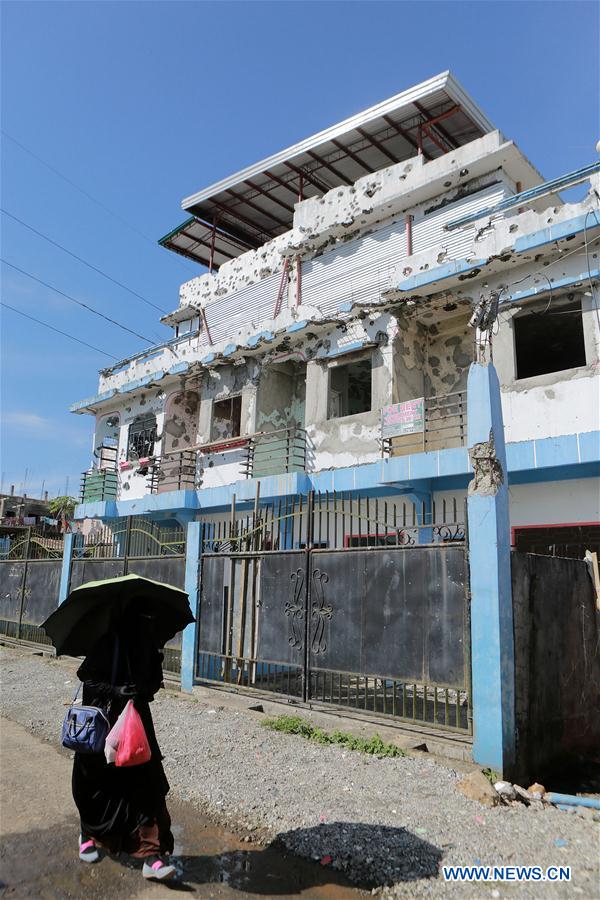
<point>448,354</point>
<point>281,396</point>
<point>343,212</point>
<point>220,467</point>
<point>133,481</point>
<point>557,664</point>
<point>249,268</point>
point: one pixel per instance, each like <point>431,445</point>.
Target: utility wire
<point>57,330</point>
<point>89,196</point>
<point>85,262</point>
<point>78,302</point>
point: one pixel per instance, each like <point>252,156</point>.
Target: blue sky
<point>141,104</point>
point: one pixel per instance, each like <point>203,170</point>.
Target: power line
<point>57,330</point>
<point>85,262</point>
<point>89,196</point>
<point>78,302</point>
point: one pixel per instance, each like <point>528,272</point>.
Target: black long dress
<point>118,804</point>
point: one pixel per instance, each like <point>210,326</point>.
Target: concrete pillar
<point>65,574</point>
<point>317,388</point>
<point>492,642</point>
<point>192,586</point>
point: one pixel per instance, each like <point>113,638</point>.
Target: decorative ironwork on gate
<point>331,599</point>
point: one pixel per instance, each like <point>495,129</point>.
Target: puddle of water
<point>209,855</point>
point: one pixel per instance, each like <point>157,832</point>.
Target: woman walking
<point>123,809</point>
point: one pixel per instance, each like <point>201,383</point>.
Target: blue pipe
<point>571,800</point>
<point>548,187</point>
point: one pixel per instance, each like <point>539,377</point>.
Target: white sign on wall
<point>403,418</point>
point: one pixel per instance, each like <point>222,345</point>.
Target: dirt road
<point>39,828</point>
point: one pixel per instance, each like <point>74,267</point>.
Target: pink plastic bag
<point>112,738</point>
<point>133,748</point>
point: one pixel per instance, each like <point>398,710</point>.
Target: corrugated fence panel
<point>357,270</point>
<point>252,304</point>
<point>428,230</point>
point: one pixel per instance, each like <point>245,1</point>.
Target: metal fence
<point>30,569</point>
<point>133,545</point>
<point>336,600</point>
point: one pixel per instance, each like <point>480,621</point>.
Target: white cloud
<point>27,421</point>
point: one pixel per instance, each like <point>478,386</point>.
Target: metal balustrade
<point>444,426</point>
<point>275,452</point>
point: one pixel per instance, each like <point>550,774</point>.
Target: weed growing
<point>297,725</point>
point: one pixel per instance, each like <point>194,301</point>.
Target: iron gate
<point>30,569</point>
<point>337,600</point>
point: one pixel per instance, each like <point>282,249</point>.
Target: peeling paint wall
<point>133,484</point>
<point>281,396</point>
<point>224,467</point>
<point>448,355</point>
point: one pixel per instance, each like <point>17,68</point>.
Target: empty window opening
<point>227,418</point>
<point>349,389</point>
<point>549,341</point>
<point>141,437</point>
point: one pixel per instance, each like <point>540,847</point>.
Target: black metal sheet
<point>42,584</point>
<point>338,588</point>
<point>445,650</point>
<point>11,581</point>
<point>84,570</point>
<point>212,602</point>
<point>167,569</point>
<point>281,612</point>
<point>396,613</point>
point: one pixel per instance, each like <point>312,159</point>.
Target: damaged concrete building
<point>350,284</point>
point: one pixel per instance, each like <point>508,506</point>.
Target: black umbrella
<point>97,607</point>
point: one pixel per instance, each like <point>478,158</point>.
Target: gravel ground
<point>387,823</point>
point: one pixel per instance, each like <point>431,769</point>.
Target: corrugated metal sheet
<point>249,305</point>
<point>428,231</point>
<point>358,270</point>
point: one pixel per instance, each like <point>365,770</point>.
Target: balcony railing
<point>275,452</point>
<point>263,453</point>
<point>424,425</point>
<point>173,473</point>
<point>99,484</point>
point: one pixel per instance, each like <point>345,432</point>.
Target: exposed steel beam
<point>256,208</point>
<point>280,181</point>
<point>320,186</point>
<point>352,155</point>
<point>236,215</point>
<point>331,168</point>
<point>270,196</point>
<point>435,120</point>
<point>407,137</point>
<point>424,128</point>
<point>378,144</point>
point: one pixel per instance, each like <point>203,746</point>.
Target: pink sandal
<point>88,852</point>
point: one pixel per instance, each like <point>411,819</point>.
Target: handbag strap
<point>113,676</point>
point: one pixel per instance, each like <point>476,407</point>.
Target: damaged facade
<point>354,284</point>
<point>284,357</point>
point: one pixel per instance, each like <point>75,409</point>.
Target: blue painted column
<point>492,642</point>
<point>65,574</point>
<point>192,586</point>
